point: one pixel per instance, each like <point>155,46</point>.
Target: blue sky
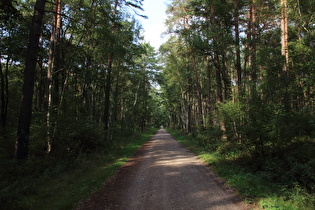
<point>154,25</point>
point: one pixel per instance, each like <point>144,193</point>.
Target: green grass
<point>253,186</point>
<point>44,185</point>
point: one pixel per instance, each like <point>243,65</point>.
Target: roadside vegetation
<point>75,95</point>
<point>238,81</point>
<point>280,180</point>
<point>78,82</point>
<point>55,183</point>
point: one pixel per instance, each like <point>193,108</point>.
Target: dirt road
<point>164,175</point>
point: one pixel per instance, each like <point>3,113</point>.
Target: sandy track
<point>164,175</point>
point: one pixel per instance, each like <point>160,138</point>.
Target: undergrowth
<point>283,180</point>
<point>54,183</point>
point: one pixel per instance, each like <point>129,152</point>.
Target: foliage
<point>272,182</point>
<point>257,104</point>
<point>224,80</point>
<point>63,184</point>
<point>69,108</point>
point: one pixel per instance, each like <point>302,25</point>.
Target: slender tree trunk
<point>198,89</point>
<point>6,88</point>
<point>218,68</point>
<point>284,34</point>
<point>189,123</point>
<point>247,55</point>
<point>24,123</point>
<point>52,72</point>
<point>253,48</point>
<point>216,59</point>
<point>109,72</point>
<point>285,51</point>
<point>108,91</point>
<point>218,79</point>
<point>116,99</point>
<point>209,102</point>
<point>57,55</point>
<point>4,93</point>
<point>3,120</point>
<point>226,78</point>
<point>49,85</point>
<point>237,46</point>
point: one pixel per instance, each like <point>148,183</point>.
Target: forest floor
<point>163,174</point>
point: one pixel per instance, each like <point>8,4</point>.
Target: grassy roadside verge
<point>254,187</point>
<point>39,185</point>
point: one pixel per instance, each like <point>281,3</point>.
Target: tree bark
<point>284,34</point>
<point>237,46</point>
<point>108,91</point>
<point>52,72</point>
<point>285,51</point>
<point>209,101</point>
<point>4,93</point>
<point>218,79</point>
<point>226,78</point>
<point>3,118</point>
<point>24,123</point>
<point>57,65</point>
<point>247,60</point>
<point>198,89</point>
<point>109,72</point>
<point>253,45</point>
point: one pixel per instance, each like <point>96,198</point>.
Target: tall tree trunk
<point>284,34</point>
<point>52,72</point>
<point>108,91</point>
<point>109,71</point>
<point>209,102</point>
<point>237,46</point>
<point>218,68</point>
<point>116,99</point>
<point>57,55</point>
<point>285,51</point>
<point>24,123</point>
<point>216,59</point>
<point>189,107</point>
<point>3,118</point>
<point>49,84</point>
<point>218,79</point>
<point>226,78</point>
<point>247,55</point>
<point>198,89</point>
<point>4,93</point>
<point>253,47</point>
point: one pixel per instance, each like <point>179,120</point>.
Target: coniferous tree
<point>23,131</point>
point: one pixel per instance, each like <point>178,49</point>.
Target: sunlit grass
<point>253,187</point>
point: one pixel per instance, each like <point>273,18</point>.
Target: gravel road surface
<point>164,175</point>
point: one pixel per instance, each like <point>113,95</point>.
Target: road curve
<point>164,175</point>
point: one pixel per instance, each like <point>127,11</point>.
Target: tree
<point>23,131</point>
<point>284,34</point>
<point>53,69</point>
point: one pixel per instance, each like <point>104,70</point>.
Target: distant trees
<point>240,69</point>
<point>87,76</point>
<point>244,67</point>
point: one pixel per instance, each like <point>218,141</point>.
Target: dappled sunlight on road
<point>165,175</point>
<point>171,177</point>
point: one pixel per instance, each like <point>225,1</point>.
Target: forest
<point>235,78</point>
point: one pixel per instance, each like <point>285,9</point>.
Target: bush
<point>233,114</point>
<point>78,137</point>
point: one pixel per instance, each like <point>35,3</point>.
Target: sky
<point>154,25</point>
